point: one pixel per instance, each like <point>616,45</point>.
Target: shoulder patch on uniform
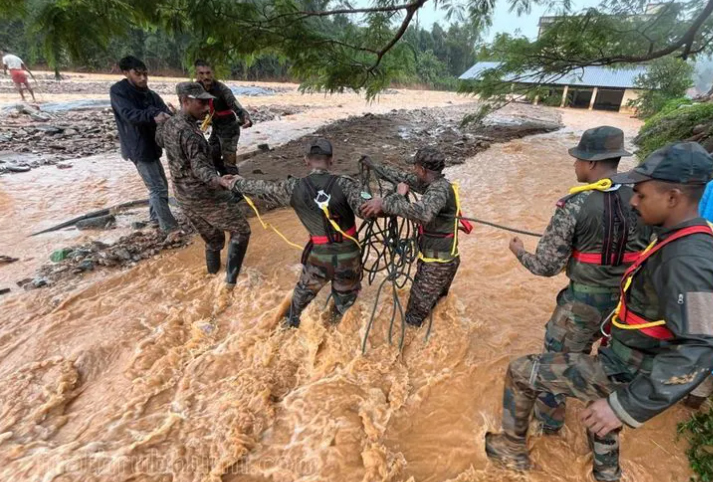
<point>699,306</point>
<point>563,201</point>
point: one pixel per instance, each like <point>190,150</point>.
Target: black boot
<point>212,260</point>
<point>237,248</point>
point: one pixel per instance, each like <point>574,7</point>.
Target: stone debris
<point>127,251</point>
<point>30,138</point>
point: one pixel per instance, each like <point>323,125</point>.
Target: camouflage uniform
<point>580,225</point>
<point>640,373</point>
<point>226,128</point>
<point>211,209</point>
<point>438,244</point>
<point>338,262</point>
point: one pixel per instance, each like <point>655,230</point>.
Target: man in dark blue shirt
<point>137,111</point>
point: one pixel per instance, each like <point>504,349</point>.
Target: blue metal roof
<point>588,76</point>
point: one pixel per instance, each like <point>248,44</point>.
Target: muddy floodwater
<point>156,373</point>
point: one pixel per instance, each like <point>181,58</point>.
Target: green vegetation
<point>332,45</point>
<point>666,79</point>
<point>675,125</point>
<point>432,58</point>
<point>323,44</point>
<point>614,34</point>
<point>699,433</point>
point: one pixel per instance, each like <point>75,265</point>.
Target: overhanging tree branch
<point>410,12</point>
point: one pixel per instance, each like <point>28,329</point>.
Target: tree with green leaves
<point>334,45</point>
<point>666,79</point>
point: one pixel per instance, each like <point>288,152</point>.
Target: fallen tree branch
<point>94,214</point>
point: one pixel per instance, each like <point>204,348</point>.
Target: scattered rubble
<point>76,85</point>
<point>30,138</point>
<point>127,251</point>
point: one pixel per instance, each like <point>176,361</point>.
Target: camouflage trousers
<point>431,283</point>
<point>321,265</point>
<point>573,328</point>
<point>225,137</point>
<point>575,375</point>
<point>213,218</point>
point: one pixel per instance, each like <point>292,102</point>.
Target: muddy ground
<point>391,138</point>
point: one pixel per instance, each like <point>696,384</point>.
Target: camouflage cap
<point>604,142</point>
<point>192,90</point>
<point>430,158</point>
<point>320,146</point>
<point>681,163</point>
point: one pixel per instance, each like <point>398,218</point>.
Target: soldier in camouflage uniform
<point>596,235</point>
<point>436,213</point>
<point>332,255</point>
<point>661,337</point>
<point>202,194</point>
<point>227,118</point>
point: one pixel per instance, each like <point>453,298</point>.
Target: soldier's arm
<point>352,190</point>
<point>555,246</point>
<point>230,99</point>
<point>274,192</point>
<point>422,211</point>
<point>158,137</point>
<point>684,286</point>
<point>197,154</point>
<point>396,176</point>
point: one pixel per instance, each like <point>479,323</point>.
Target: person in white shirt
<point>17,72</point>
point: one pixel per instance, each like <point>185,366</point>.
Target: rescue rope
<point>267,225</point>
<point>325,210</point>
<point>500,226</point>
<point>206,122</point>
<point>601,185</point>
<point>389,246</point>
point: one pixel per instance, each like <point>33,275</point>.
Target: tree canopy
<point>334,45</point>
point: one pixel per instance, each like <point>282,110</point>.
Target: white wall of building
<point>629,94</point>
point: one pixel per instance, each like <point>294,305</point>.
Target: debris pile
<point>127,251</point>
<point>30,137</point>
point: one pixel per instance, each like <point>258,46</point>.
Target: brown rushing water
<point>157,374</point>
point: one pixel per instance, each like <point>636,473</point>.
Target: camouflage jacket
<point>676,285</point>
<point>225,100</point>
<point>434,196</point>
<point>279,193</point>
<point>577,224</point>
<point>195,178</point>
<point>435,211</point>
